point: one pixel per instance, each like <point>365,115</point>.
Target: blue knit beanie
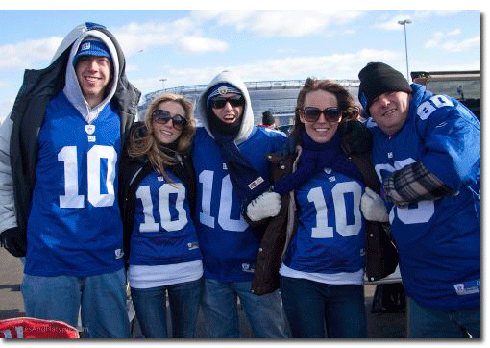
<point>92,47</point>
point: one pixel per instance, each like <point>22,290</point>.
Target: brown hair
<point>347,105</point>
<point>148,144</point>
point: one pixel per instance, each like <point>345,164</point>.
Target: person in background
<point>157,196</point>
<point>59,159</point>
<point>426,151</point>
<point>323,265</point>
<point>268,120</point>
<point>229,157</point>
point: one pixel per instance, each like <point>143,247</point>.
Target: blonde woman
<point>161,247</point>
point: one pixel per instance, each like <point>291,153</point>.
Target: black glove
<point>14,242</point>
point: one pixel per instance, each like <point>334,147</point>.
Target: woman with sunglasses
<point>322,268</point>
<point>157,195</point>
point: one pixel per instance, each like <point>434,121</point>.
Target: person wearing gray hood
<point>59,159</point>
<point>230,161</point>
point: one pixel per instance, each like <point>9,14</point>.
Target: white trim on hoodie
<point>72,89</point>
<point>248,121</point>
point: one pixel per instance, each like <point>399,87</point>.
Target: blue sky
<point>191,47</point>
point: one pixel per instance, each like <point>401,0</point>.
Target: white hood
<point>247,125</point>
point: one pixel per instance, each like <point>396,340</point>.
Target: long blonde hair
<point>148,144</point>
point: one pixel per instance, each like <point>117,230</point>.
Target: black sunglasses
<point>220,102</point>
<point>163,116</point>
<point>312,114</point>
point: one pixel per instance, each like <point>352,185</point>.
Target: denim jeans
<point>102,298</point>
<point>423,322</point>
<point>150,309</point>
<point>219,306</point>
<point>310,306</point>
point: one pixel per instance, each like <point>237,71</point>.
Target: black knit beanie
<point>377,78</point>
<point>267,118</point>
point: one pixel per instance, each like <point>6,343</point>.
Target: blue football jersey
<point>228,244</point>
<point>331,230</point>
<point>163,229</point>
<point>438,240</point>
<point>75,226</point>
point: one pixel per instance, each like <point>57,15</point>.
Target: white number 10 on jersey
<point>72,197</point>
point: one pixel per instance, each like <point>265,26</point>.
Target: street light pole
<point>163,82</point>
<point>404,22</point>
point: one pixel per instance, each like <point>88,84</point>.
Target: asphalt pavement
<point>381,325</point>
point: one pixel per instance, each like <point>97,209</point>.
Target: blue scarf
<point>244,177</point>
<point>315,158</point>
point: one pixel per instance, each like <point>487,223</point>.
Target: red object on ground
<point>26,327</point>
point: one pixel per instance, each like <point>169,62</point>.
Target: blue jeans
<point>219,306</point>
<point>150,309</point>
<point>102,298</point>
<point>310,305</point>
<point>424,322</point>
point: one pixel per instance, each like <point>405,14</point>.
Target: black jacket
<point>133,170</point>
<point>38,87</point>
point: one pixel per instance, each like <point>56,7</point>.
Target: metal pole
<point>163,83</point>
<point>406,54</point>
<point>404,22</point>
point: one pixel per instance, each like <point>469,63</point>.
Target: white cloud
<point>391,23</point>
<point>458,46</point>
<point>441,41</point>
<point>280,23</point>
<point>195,44</point>
<point>184,32</point>
<point>423,13</point>
<point>340,66</point>
<point>135,37</point>
<point>455,32</point>
<point>28,53</point>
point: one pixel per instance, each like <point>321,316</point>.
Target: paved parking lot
<point>380,325</point>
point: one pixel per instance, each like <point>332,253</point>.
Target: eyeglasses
<point>312,114</point>
<point>220,102</point>
<point>163,116</point>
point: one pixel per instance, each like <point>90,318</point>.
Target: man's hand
<point>13,242</point>
<point>266,205</point>
<point>372,206</point>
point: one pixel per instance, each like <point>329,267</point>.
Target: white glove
<point>266,205</point>
<point>372,206</point>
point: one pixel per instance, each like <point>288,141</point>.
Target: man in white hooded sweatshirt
<point>59,157</point>
<point>228,243</point>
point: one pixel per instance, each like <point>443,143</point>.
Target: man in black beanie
<point>379,80</point>
<point>426,151</point>
<point>268,120</point>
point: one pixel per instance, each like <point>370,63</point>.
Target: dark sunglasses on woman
<point>162,117</point>
<point>312,114</point>
<point>220,102</point>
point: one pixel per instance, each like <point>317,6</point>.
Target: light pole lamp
<point>404,22</point>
